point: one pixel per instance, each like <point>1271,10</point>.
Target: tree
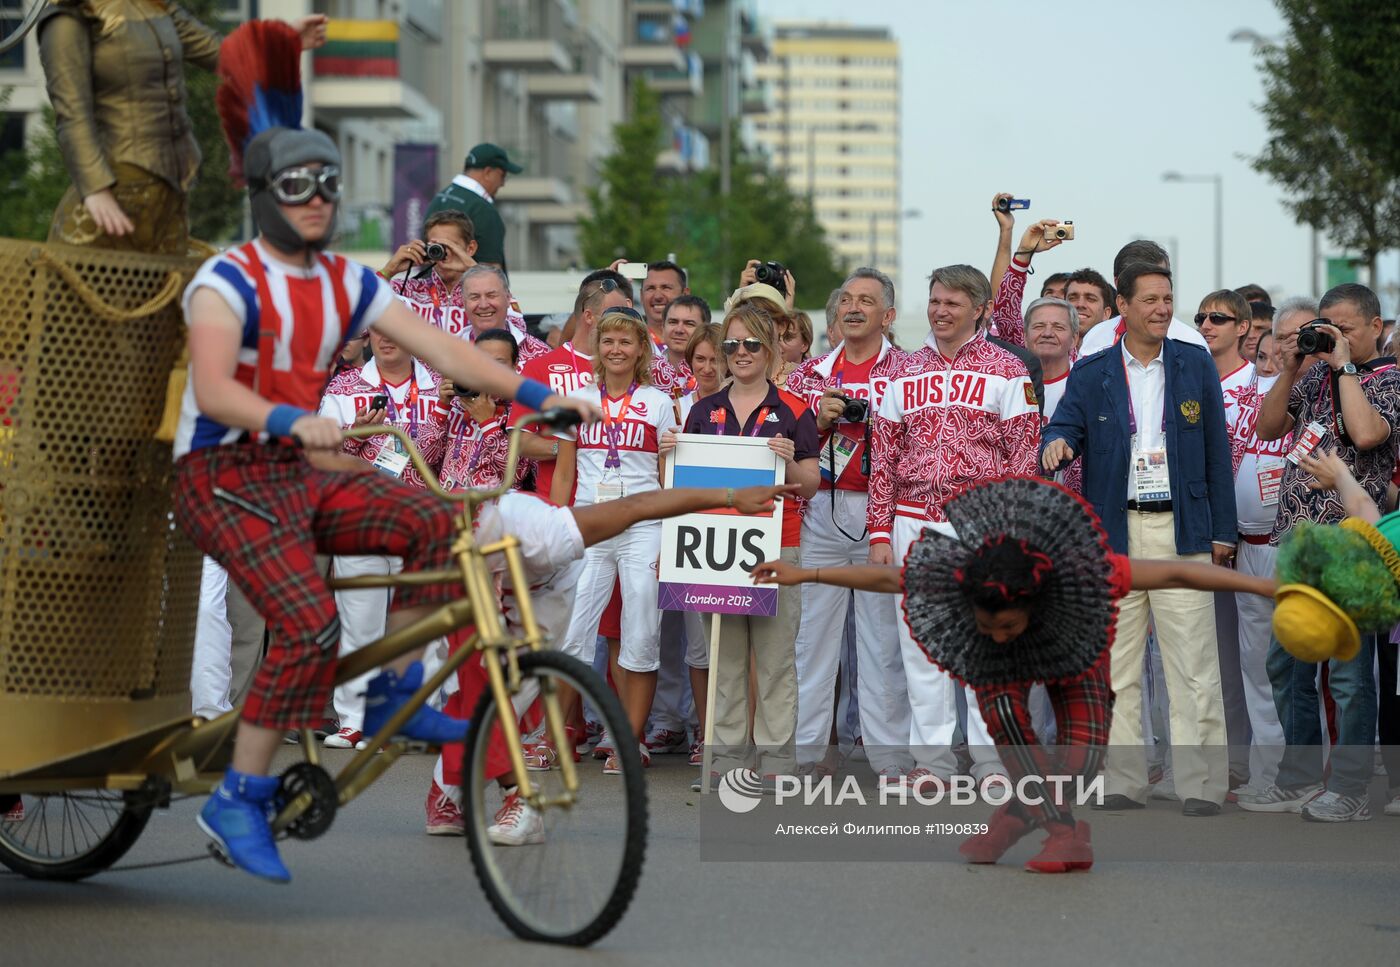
<point>640,215</point>
<point>35,179</point>
<point>630,208</point>
<point>1331,146</point>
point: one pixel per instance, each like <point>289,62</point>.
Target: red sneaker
<point>1066,848</point>
<point>1003,831</point>
<point>444,815</point>
<point>15,814</point>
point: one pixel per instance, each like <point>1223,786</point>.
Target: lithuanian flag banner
<point>359,48</point>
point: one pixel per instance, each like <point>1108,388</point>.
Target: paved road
<point>377,891</point>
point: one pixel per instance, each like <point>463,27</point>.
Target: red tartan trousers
<point>1083,709</point>
<point>263,513</point>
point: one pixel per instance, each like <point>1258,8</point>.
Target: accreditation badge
<point>1151,479</point>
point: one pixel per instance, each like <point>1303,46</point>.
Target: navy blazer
<point>1093,419</point>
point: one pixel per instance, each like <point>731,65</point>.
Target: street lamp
<point>874,227</point>
<point>1218,182</point>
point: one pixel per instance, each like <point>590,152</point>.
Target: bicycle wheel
<point>70,835</point>
<point>574,885</point>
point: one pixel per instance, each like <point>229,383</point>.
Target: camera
<point>1012,204</point>
<point>1312,340</point>
<point>379,403</point>
<point>772,273</point>
<point>855,411</point>
<point>434,252</point>
<point>1062,230</point>
<point>466,394</point>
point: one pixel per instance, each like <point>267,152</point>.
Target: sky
<point>1081,105</point>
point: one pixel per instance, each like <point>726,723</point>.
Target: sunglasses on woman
<point>625,311</point>
<point>1216,318</point>
<point>297,186</point>
<point>731,346</point>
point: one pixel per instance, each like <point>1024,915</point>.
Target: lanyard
<point>468,420</point>
<point>412,405</point>
<point>1132,416</point>
<point>437,303</point>
<point>580,373</point>
<point>759,420</point>
<point>610,422</point>
<point>1363,376</point>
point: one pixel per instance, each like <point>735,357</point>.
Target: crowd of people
<point>1185,436</point>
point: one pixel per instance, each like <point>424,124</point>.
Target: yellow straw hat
<point>1311,627</point>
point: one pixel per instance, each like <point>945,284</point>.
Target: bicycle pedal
<point>217,852</point>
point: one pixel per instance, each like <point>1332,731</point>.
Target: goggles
<point>297,186</point>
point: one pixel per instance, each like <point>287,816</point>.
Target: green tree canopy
<point>1332,141</point>
<point>636,213</point>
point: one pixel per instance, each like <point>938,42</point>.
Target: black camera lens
<point>856,411</point>
<point>1003,204</point>
<point>772,273</point>
<point>1313,340</point>
<point>435,252</point>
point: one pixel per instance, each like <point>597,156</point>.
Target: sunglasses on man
<point>1215,318</point>
<point>731,346</point>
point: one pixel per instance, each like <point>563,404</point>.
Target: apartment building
<point>834,131</point>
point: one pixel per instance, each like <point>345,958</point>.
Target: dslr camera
<point>434,251</point>
<point>772,273</point>
<point>1063,231</point>
<point>855,411</point>
<point>1312,339</point>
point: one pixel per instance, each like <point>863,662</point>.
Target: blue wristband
<point>280,420</point>
<point>533,393</point>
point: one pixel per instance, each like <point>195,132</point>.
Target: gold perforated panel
<point>98,590</point>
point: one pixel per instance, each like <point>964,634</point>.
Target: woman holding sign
<point>619,457</point>
<point>751,405</point>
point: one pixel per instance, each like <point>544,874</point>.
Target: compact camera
<point>855,411</point>
<point>1312,339</point>
<point>772,273</point>
<point>1061,230</point>
<point>435,252</point>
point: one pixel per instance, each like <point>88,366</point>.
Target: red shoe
<point>1003,831</point>
<point>15,813</point>
<point>1066,848</point>
<point>444,815</point>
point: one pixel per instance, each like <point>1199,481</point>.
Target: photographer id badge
<point>842,448</point>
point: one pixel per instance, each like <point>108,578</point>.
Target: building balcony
<point>653,57</point>
<point>564,87</point>
<point>524,190</point>
<point>757,99</point>
<point>687,83</point>
<point>687,151</point>
<point>541,56</point>
<point>357,74</point>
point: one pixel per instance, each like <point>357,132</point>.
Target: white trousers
<point>882,696</point>
<point>933,693</point>
<point>1185,623</point>
<point>629,558</point>
<point>1256,615</point>
<point>362,617</point>
<point>211,673</point>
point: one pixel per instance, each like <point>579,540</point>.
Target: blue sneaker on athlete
<point>387,693</point>
<point>236,817</point>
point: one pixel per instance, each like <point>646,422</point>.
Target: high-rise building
<point>834,131</point>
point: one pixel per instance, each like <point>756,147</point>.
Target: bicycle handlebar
<point>556,419</point>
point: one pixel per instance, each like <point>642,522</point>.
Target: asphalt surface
<point>376,890</point>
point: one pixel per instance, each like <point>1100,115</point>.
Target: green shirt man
<point>473,193</point>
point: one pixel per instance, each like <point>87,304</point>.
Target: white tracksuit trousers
<point>630,558</point>
<point>933,694</point>
<point>883,698</point>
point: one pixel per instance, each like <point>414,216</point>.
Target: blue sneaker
<point>388,693</point>
<point>236,817</point>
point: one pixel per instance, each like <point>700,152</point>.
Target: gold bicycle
<point>74,818</point>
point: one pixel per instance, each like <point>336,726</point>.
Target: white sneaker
<point>890,778</point>
<point>1392,808</point>
<point>1332,807</point>
<point>1272,799</point>
<point>345,739</point>
<point>517,823</point>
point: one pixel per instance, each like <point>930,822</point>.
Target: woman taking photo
<point>616,458</point>
<point>751,405</point>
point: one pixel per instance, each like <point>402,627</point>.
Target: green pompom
<point>1343,566</point>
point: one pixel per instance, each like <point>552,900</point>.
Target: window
<point>11,14</point>
<point>11,133</point>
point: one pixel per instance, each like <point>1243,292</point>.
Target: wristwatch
<point>1347,369</point>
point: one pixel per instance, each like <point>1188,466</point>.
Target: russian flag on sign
<point>703,476</point>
